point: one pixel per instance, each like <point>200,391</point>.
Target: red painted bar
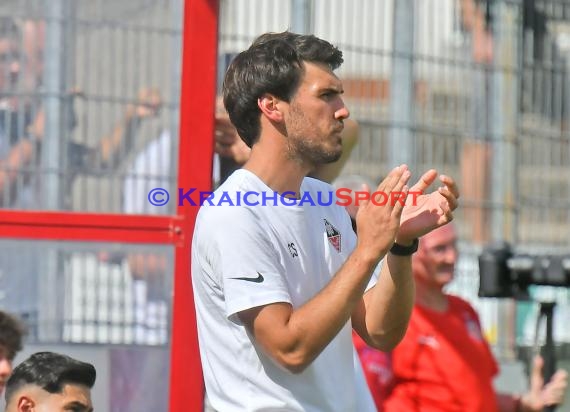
<point>90,227</point>
<point>197,102</point>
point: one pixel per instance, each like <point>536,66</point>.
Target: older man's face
<point>434,263</point>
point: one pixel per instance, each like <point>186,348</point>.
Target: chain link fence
<point>86,88</point>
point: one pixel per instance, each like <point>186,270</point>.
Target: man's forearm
<point>388,305</point>
<point>120,142</point>
<point>294,338</point>
<point>20,157</point>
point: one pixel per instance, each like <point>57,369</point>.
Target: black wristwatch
<point>400,250</point>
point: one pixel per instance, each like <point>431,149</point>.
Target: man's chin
<point>333,155</point>
<point>445,278</point>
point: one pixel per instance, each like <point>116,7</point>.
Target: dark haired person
<point>48,381</point>
<point>11,334</point>
<point>278,288</point>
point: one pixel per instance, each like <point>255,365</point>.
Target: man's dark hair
<point>50,371</point>
<point>273,64</point>
<point>12,332</point>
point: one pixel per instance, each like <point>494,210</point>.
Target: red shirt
<point>443,364</point>
<point>377,370</point>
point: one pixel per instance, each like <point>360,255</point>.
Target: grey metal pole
<point>51,277</point>
<point>401,139</point>
<point>301,16</point>
<point>53,88</point>
<point>504,121</point>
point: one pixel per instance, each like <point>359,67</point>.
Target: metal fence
<point>87,88</point>
<point>86,67</point>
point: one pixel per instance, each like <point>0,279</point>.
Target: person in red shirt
<point>377,369</point>
<point>444,363</point>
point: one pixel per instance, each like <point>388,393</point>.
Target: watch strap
<point>400,250</point>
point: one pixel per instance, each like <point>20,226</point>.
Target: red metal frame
<point>197,105</point>
<point>91,227</point>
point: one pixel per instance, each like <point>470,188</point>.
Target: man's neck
<point>276,170</point>
<point>431,297</point>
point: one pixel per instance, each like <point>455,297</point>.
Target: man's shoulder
<point>239,180</point>
<point>459,303</point>
<point>227,202</point>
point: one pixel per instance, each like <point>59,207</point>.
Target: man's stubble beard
<point>301,148</point>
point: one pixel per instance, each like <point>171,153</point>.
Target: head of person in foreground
<point>283,96</point>
<point>50,382</point>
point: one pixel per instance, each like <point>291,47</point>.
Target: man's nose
<point>342,113</point>
<point>451,255</point>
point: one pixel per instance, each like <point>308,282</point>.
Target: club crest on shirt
<point>428,340</point>
<point>473,328</point>
<point>333,235</point>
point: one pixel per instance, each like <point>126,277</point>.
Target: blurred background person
<point>12,333</point>
<point>444,362</point>
<point>22,127</point>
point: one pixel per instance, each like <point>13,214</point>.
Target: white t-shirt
<point>248,256</point>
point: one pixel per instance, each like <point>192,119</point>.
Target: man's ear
<point>270,107</point>
<point>25,404</point>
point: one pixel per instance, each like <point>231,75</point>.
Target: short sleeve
<point>240,258</point>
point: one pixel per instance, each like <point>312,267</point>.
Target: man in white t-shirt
<point>279,278</point>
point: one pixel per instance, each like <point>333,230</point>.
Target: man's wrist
<point>406,249</point>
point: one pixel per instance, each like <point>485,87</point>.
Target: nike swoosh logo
<point>258,279</point>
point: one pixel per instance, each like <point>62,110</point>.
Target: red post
<point>197,105</point>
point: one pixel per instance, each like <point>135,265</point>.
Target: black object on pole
<point>548,351</point>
